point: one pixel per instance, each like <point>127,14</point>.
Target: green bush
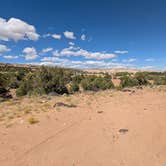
<point>122,74</point>
<point>141,78</point>
<point>26,85</point>
<point>96,83</point>
<point>45,80</point>
<point>3,89</point>
<point>160,81</point>
<point>74,87</point>
<point>127,81</point>
<point>77,78</point>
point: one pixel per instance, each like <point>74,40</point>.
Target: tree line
<point>45,80</point>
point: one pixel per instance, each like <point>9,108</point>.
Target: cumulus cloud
<point>69,35</point>
<point>83,37</point>
<point>16,29</point>
<point>45,50</point>
<point>56,36</point>
<point>121,52</point>
<point>10,57</point>
<point>30,53</point>
<point>76,51</point>
<point>4,48</point>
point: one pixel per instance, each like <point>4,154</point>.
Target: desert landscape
<point>82,83</point>
<point>92,128</point>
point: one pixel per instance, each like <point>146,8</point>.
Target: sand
<point>105,129</point>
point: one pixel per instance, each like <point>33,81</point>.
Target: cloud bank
<point>76,51</point>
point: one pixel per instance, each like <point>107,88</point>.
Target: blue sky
<point>84,33</point>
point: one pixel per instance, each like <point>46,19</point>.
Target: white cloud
<point>30,53</point>
<point>46,35</point>
<point>16,29</point>
<point>56,61</point>
<point>83,37</point>
<point>45,50</point>
<point>76,51</point>
<point>121,52</point>
<point>56,36</point>
<point>148,67</point>
<point>150,60</point>
<point>71,44</point>
<point>69,35</point>
<point>114,60</point>
<point>10,57</point>
<point>129,60</point>
<point>4,48</point>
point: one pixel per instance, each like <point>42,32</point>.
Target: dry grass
<point>33,120</point>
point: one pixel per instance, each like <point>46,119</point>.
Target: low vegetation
<point>139,79</point>
<point>33,120</point>
<point>55,80</point>
<point>96,83</point>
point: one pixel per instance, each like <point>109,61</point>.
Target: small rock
<point>61,104</point>
<point>99,112</point>
<point>53,94</point>
<point>128,90</point>
<point>123,131</point>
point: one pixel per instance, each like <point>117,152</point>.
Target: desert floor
<point>109,128</point>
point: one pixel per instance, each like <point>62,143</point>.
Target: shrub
<point>122,74</point>
<point>74,87</point>
<point>96,83</point>
<point>127,81</point>
<point>160,81</point>
<point>141,78</point>
<point>77,78</point>
<point>3,90</point>
<point>45,80</point>
<point>3,80</point>
<point>20,75</point>
<point>26,86</point>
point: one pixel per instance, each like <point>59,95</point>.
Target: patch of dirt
<point>79,136</point>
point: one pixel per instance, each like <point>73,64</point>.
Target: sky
<point>84,33</point>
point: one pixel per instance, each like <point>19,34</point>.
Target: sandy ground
<point>87,135</point>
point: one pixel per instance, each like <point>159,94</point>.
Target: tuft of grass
<point>46,105</point>
<point>27,110</point>
<point>11,116</point>
<point>58,109</point>
<point>33,120</point>
<point>68,99</point>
